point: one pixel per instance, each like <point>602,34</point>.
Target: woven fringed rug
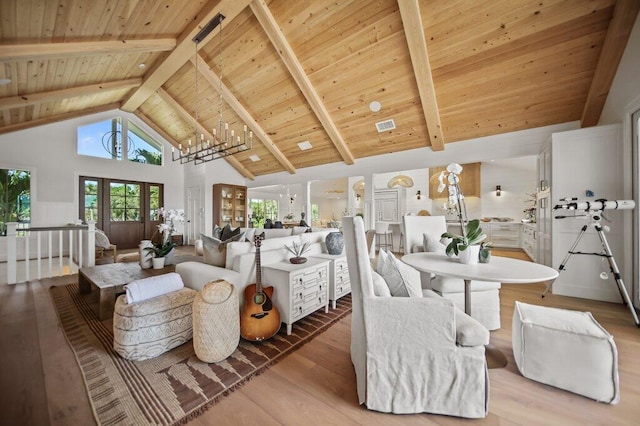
<point>176,386</point>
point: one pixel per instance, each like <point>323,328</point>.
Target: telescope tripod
<point>606,253</point>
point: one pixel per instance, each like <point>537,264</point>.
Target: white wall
<point>626,84</point>
<point>592,159</point>
<point>331,208</point>
<point>517,177</point>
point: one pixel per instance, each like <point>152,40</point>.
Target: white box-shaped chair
<point>566,349</point>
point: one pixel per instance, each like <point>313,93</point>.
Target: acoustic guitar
<point>260,318</point>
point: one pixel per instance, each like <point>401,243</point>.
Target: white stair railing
<point>76,243</point>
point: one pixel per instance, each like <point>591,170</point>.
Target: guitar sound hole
<point>258,298</point>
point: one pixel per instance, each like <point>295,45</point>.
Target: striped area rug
<point>176,386</point>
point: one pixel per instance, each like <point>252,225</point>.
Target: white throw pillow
<point>431,245</point>
<point>101,239</point>
<point>402,279</point>
<point>215,250</point>
<point>382,257</point>
<point>215,253</point>
<point>380,287</point>
<point>249,234</point>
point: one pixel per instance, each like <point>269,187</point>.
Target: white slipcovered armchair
<point>485,303</point>
<point>404,349</point>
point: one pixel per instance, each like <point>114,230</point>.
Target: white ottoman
<point>216,321</point>
<point>148,328</point>
<point>566,349</point>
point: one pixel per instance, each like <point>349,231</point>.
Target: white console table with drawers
<point>339,282</point>
<point>299,290</point>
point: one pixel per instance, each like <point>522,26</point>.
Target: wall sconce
<point>358,196</point>
<point>498,190</point>
<point>418,195</point>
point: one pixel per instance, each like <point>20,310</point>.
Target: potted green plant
<point>160,250</point>
<point>298,250</point>
<point>485,252</point>
<point>467,245</point>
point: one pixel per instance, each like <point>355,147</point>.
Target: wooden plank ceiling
<point>296,71</point>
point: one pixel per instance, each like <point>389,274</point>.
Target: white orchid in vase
<point>471,232</point>
<point>455,202</point>
<point>166,229</point>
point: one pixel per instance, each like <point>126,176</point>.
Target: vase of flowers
<point>164,248</point>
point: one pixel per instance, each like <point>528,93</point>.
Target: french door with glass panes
<point>126,211</point>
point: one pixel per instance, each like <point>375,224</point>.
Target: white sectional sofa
<point>240,264</point>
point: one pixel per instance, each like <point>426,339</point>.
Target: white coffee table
<point>501,269</point>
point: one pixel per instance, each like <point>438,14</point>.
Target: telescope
<point>594,210</point>
<point>596,205</point>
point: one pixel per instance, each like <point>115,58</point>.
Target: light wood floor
<point>40,383</point>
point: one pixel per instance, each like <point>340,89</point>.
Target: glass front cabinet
<point>229,205</point>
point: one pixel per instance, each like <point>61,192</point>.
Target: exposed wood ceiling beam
<point>414,32</point>
<point>271,28</point>
<point>624,16</point>
<point>40,51</point>
<point>244,115</point>
<point>55,95</point>
<point>187,116</point>
<point>60,117</point>
<point>179,56</point>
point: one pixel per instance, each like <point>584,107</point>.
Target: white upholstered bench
<point>566,349</point>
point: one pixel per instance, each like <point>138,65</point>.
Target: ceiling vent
<point>254,158</point>
<point>386,125</point>
<point>305,145</point>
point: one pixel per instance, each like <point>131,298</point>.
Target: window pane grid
<point>124,201</point>
<point>15,198</point>
<point>108,139</point>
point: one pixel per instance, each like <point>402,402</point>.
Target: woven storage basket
<point>216,321</point>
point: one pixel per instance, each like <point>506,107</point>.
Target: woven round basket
<point>216,321</point>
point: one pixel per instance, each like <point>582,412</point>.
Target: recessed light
<point>4,81</point>
<point>375,106</point>
<point>141,66</point>
<point>254,158</point>
<point>305,145</point>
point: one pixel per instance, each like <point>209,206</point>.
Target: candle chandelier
<point>224,142</point>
